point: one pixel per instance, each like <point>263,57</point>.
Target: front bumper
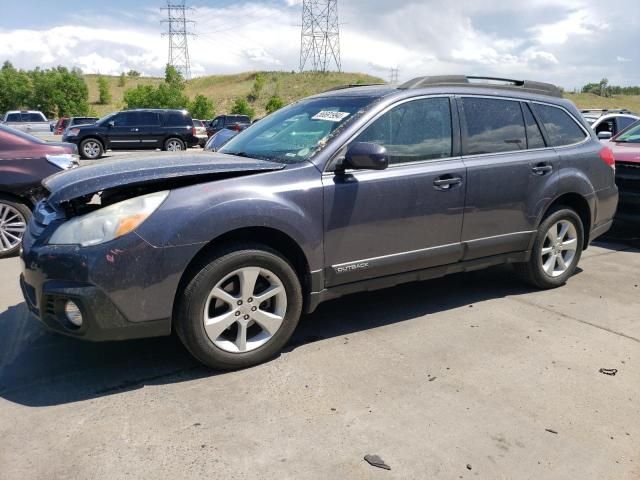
<point>102,320</point>
<point>628,181</point>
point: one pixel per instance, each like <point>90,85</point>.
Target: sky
<point>567,42</point>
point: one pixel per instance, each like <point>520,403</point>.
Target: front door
<point>407,217</point>
<point>125,132</point>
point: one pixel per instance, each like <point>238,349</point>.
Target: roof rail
<point>605,110</point>
<point>352,85</point>
<point>485,82</point>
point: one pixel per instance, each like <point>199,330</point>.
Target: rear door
<point>150,130</point>
<point>510,174</point>
<point>125,133</point>
<point>407,217</point>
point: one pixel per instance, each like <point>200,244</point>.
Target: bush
<point>133,73</point>
<point>258,85</point>
<point>201,107</point>
<point>103,89</point>
<point>242,107</point>
<point>122,81</point>
<point>275,103</point>
<point>166,95</point>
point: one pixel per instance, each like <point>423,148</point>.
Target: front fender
<point>289,201</point>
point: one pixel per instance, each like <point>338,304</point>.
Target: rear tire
<point>14,217</point>
<point>91,149</point>
<point>174,145</point>
<point>240,307</point>
<point>556,250</point>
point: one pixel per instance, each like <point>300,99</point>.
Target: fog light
<point>73,313</point>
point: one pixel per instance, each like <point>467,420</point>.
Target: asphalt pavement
<point>471,376</point>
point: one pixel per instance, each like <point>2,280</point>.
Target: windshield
<point>630,135</point>
<point>295,133</point>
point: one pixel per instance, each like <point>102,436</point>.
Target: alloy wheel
<point>559,248</point>
<point>91,149</point>
<point>174,146</point>
<point>245,309</point>
<point>12,227</point>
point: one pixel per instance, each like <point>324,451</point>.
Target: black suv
<point>226,121</point>
<point>170,130</point>
<point>351,190</point>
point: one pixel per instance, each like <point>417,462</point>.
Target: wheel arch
<point>579,204</point>
<point>273,238</point>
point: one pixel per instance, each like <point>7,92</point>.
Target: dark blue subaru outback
<point>354,189</point>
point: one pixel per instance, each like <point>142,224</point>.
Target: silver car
<point>30,121</point>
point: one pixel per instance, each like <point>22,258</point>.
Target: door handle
<point>134,129</point>
<point>542,169</point>
<point>446,182</point>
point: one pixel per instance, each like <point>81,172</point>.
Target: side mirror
<point>604,135</point>
<point>111,124</point>
<point>366,156</point>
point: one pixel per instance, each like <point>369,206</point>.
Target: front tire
<point>14,217</point>
<point>556,250</point>
<point>240,308</point>
<point>91,149</point>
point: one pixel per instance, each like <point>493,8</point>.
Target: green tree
<point>242,107</point>
<point>274,103</point>
<point>133,73</point>
<point>122,81</point>
<point>169,94</point>
<point>59,91</point>
<point>201,107</point>
<point>16,89</point>
<point>103,89</point>
<point>258,85</point>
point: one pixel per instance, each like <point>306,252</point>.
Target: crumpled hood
<point>147,169</point>
<point>625,152</point>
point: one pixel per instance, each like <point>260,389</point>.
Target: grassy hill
<point>224,89</point>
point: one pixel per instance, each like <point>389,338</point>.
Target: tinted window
<point>148,119</point>
<point>13,117</point>
<point>83,120</point>
<point>33,117</point>
<point>177,119</point>
<point>624,122</point>
<point>561,128</point>
<point>631,136</point>
<point>216,123</point>
<point>125,119</point>
<point>493,126</point>
<point>534,136</point>
<point>414,131</point>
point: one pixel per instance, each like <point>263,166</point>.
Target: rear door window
<point>125,119</point>
<point>492,126</point>
<point>413,131</point>
<point>561,128</point>
<point>33,117</point>
<point>148,119</point>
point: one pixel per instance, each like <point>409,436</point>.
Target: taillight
<point>607,157</point>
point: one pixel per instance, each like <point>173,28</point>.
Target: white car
<point>608,123</point>
<point>29,121</point>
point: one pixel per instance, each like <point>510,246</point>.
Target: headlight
<point>64,161</point>
<point>108,222</point>
<point>72,132</point>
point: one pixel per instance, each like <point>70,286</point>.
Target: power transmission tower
<point>178,47</point>
<point>393,78</point>
<point>320,39</point>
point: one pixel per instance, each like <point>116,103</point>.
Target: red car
<point>626,151</point>
<point>24,161</point>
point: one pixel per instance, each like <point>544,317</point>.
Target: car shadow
<point>40,368</point>
<point>622,236</point>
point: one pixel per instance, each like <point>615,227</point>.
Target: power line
<point>320,38</point>
<point>178,46</point>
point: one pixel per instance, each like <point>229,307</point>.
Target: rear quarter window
<point>561,128</point>
<point>177,119</point>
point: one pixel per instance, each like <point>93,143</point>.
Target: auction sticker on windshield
<point>330,116</point>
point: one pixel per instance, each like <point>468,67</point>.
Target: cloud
<point>568,44</point>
